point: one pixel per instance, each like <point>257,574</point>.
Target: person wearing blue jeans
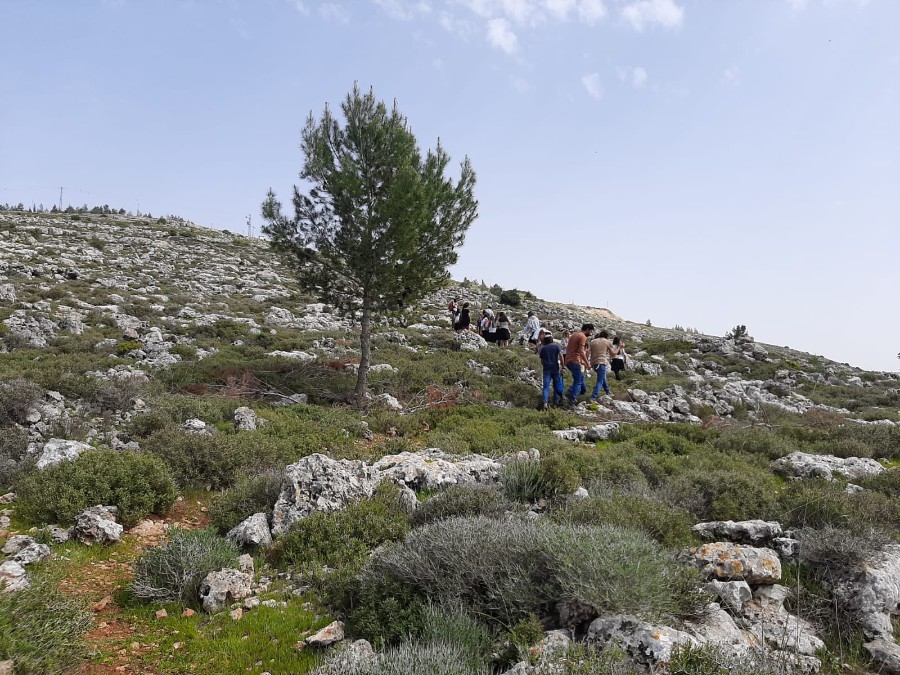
<point>551,360</point>
<point>577,359</point>
<point>600,351</point>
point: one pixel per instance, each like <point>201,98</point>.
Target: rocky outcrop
<point>751,532</point>
<point>432,469</point>
<point>319,483</point>
<point>804,465</point>
<point>219,589</point>
<point>725,561</point>
<point>648,644</point>
<point>97,525</point>
<point>253,532</point>
<point>58,450</point>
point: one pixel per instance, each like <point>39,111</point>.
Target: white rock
<point>58,450</point>
<point>804,465</point>
<point>220,589</point>
<point>254,531</point>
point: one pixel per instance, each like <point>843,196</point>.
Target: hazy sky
<point>694,162</point>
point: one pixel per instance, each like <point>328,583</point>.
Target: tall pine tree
<point>379,223</point>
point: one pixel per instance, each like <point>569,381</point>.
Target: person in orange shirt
<point>578,359</point>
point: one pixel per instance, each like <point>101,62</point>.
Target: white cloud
<point>638,77</point>
<point>560,8</point>
<point>404,10</point>
<point>332,11</point>
<point>500,35</point>
<point>521,85</point>
<point>731,75</point>
<point>642,13</point>
<point>301,7</point>
<point>592,85</point>
<point>798,4</point>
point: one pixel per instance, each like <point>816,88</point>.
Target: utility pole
<point>249,226</point>
<point>60,198</point>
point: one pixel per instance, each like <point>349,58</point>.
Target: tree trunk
<point>365,338</point>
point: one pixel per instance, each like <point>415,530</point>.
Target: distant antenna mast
<point>60,198</point>
<point>249,226</point>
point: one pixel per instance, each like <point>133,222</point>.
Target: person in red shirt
<point>578,359</point>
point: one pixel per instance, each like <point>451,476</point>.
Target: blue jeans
<point>554,377</point>
<point>578,384</point>
<point>601,380</point>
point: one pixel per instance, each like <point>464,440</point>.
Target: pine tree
<point>380,224</point>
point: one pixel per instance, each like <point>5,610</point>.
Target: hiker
<point>464,319</point>
<point>530,333</point>
<point>619,357</point>
<point>503,333</point>
<point>491,327</point>
<point>600,348</point>
<point>453,308</point>
<point>578,359</point>
<point>552,362</point>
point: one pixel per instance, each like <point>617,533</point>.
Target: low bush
<point>506,570</point>
<point>819,503</point>
<point>14,458</point>
<point>343,538</point>
<point>708,660</point>
<point>214,462</point>
<point>410,657</point>
<point>17,398</point>
<point>251,494</point>
<point>453,624</point>
<point>463,500</point>
<point>174,571</point>
<point>887,482</point>
<point>658,441</point>
<point>754,441</point>
<point>725,494</point>
<point>135,482</point>
<point>42,630</point>
<point>113,395</point>
<point>667,525</point>
<point>837,548</point>
<point>531,480</point>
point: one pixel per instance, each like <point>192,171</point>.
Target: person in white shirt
<point>532,328</point>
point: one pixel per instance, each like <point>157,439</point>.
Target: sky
<point>702,163</point>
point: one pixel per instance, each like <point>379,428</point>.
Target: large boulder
<point>752,532</point>
<point>886,653</point>
<point>327,636</point>
<point>766,616</point>
<point>733,562</point>
<point>470,342</point>
<point>220,589</point>
<point>58,450</point>
<point>97,525</point>
<point>646,643</point>
<point>245,419</point>
<point>805,465</point>
<point>12,577</point>
<point>432,468</point>
<point>319,483</point>
<point>254,532</point>
<point>871,591</point>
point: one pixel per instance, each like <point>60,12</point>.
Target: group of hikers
<point>579,352</point>
<point>580,355</point>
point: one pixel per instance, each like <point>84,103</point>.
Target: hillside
<point>179,374</point>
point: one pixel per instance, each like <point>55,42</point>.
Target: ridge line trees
<point>379,224</point>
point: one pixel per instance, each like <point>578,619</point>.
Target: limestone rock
<point>319,483</point>
<point>432,468</point>
<point>97,524</point>
<point>16,543</point>
<point>33,553</point>
<point>12,577</point>
<point>732,593</point>
<point>254,531</point>
<point>733,562</point>
<point>886,653</point>
<point>220,589</point>
<point>327,636</point>
<point>872,591</point>
<point>804,465</point>
<point>752,532</point>
<point>765,615</point>
<point>245,419</point>
<point>470,342</point>
<point>646,643</point>
<point>58,450</point>
<point>195,426</point>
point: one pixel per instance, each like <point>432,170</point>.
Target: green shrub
<point>17,398</point>
<point>112,395</point>
<point>725,493</point>
<point>838,548</point>
<point>251,494</point>
<point>174,571</point>
<point>506,570</point>
<point>454,624</point>
<point>463,500</point>
<point>708,660</point>
<point>519,639</point>
<point>530,481</point>
<point>42,630</point>
<point>215,461</point>
<point>135,482</point>
<point>126,346</point>
<point>820,503</point>
<point>186,352</point>
<point>887,482</point>
<point>14,458</point>
<point>658,441</point>
<point>755,441</point>
<point>511,298</point>
<point>344,537</point>
<point>668,525</point>
<point>409,657</point>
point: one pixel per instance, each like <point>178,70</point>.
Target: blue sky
<point>694,162</point>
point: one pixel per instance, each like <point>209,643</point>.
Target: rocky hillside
<point>170,399</point>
